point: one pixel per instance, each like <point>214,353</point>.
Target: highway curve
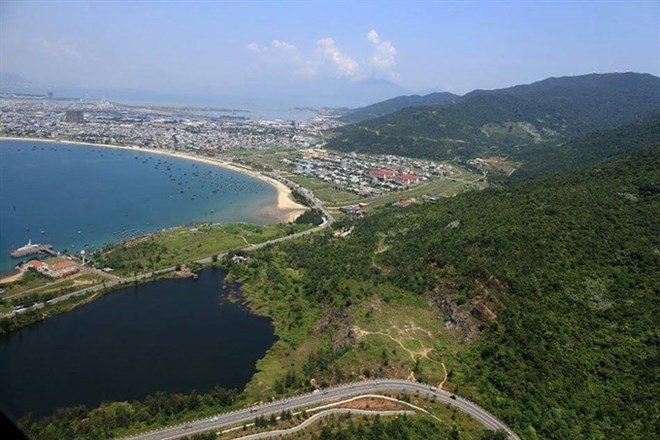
<point>247,415</point>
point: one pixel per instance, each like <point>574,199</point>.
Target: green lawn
<point>184,244</point>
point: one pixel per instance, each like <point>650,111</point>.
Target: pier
<point>32,249</point>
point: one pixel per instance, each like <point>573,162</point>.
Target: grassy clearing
<point>435,188</point>
<point>265,159</point>
<point>73,283</point>
<point>185,244</point>
<point>393,334</point>
<point>399,339</point>
<point>327,192</point>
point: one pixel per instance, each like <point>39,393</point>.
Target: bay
<point>77,197</point>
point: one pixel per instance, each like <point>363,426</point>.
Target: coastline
<point>284,210</point>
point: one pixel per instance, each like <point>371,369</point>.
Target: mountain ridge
<point>391,105</point>
<point>493,122</point>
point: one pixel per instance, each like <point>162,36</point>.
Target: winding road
<point>247,415</point>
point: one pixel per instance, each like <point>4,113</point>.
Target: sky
<point>219,47</point>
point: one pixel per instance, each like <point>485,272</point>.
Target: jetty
<point>32,249</point>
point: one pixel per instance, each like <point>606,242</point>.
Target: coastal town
<point>287,153</point>
<point>231,136</point>
<point>366,175</point>
<point>180,129</point>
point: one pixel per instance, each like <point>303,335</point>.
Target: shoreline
<point>284,210</point>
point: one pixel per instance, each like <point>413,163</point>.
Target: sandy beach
<point>284,210</point>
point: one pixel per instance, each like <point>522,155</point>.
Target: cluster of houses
<point>363,174</point>
<point>387,175</point>
<point>58,269</point>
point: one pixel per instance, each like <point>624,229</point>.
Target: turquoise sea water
<point>80,197</point>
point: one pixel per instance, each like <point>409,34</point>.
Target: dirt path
<point>445,379</point>
<point>402,333</point>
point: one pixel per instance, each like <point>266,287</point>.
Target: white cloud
<point>345,65</point>
<point>372,36</point>
<point>254,48</point>
<point>383,59</point>
<point>283,45</point>
<point>283,57</point>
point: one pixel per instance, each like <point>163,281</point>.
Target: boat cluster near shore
<point>285,208</point>
<point>185,188</point>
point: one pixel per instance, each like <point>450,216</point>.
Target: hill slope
<point>552,158</point>
<point>567,266</point>
<point>492,122</point>
<point>392,105</point>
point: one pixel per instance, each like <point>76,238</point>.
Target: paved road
<point>247,415</point>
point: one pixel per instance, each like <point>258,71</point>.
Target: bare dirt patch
<point>401,335</point>
<point>373,404</point>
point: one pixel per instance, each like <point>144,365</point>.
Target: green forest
<point>117,419</point>
<point>554,280</point>
<point>497,121</point>
<point>551,158</point>
<point>568,264</point>
<point>398,428</point>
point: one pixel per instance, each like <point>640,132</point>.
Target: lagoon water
<point>76,197</point>
<point>174,335</point>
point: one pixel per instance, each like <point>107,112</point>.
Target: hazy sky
<point>454,46</point>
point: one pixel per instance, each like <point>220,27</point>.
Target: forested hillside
<point>560,273</point>
<point>391,105</point>
<point>493,122</point>
<point>552,158</point>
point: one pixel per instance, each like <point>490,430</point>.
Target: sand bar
<point>284,210</point>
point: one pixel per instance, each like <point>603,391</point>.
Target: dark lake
<point>171,335</point>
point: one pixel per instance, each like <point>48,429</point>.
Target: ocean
<point>81,197</point>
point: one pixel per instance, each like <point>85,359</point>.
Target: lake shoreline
<point>201,303</point>
<point>284,210</point>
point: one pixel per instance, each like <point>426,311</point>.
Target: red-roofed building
<point>383,174</point>
<point>63,268</point>
<point>37,265</point>
<point>407,179</point>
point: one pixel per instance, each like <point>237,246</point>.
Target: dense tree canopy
<point>495,122</point>
<point>570,265</point>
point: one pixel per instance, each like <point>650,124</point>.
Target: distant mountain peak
<point>400,102</point>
